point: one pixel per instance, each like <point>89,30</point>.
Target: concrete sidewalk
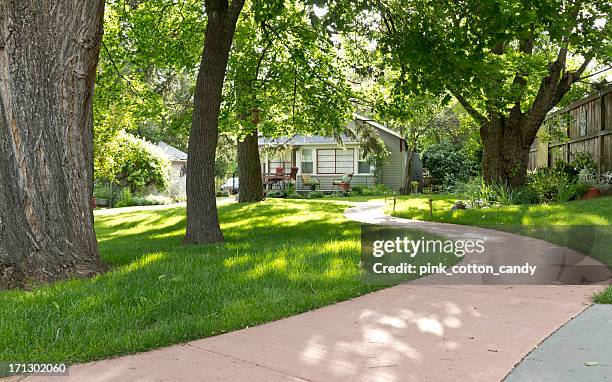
<point>579,351</point>
<point>404,333</point>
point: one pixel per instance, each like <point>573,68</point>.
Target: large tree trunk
<point>202,219</point>
<point>506,143</point>
<point>249,170</point>
<point>48,56</point>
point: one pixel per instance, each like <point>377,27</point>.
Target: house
<point>326,160</point>
<point>178,168</point>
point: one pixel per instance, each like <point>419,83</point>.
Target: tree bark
<point>249,170</point>
<point>407,187</point>
<point>202,219</point>
<point>48,56</point>
<point>505,154</point>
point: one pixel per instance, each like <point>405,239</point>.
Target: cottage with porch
<point>325,161</point>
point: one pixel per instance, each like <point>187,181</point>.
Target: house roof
<point>171,153</point>
<point>298,140</point>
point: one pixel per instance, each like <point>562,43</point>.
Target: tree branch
<point>482,120</point>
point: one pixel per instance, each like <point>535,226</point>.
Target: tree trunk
<point>202,219</point>
<point>249,170</point>
<point>48,56</point>
<point>406,188</point>
<point>505,156</point>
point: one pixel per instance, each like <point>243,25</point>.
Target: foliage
<point>566,191</point>
<point>125,198</point>
<point>376,190</point>
<point>583,160</point>
<point>476,192</point>
<point>146,70</point>
<point>564,170</point>
<point>283,77</point>
<point>130,162</point>
<point>449,163</point>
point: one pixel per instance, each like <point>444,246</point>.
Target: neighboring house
<point>324,159</point>
<point>178,168</point>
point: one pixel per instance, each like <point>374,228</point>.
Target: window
<point>582,122</point>
<point>363,167</point>
<point>335,161</point>
<point>285,163</point>
<point>307,164</point>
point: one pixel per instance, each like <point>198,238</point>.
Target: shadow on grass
<point>279,259</point>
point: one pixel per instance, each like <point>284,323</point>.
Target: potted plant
<point>414,185</point>
<point>345,184</point>
<point>590,179</point>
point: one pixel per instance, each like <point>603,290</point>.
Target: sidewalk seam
<point>249,363</point>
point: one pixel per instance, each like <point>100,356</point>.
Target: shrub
<point>131,162</point>
<point>102,191</point>
<point>376,190</point>
<point>562,169</point>
<point>358,189</point>
<point>125,198</point>
<point>476,192</point>
<point>584,161</point>
<point>544,184</point>
<point>314,195</point>
<point>449,164</point>
<point>526,195</point>
<point>277,194</point>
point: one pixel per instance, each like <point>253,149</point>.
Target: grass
<point>282,257</point>
<point>562,223</point>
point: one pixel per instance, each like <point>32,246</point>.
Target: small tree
<point>130,162</point>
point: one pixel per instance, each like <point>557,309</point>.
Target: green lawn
<point>565,224</point>
<point>282,257</point>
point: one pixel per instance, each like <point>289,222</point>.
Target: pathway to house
<point>409,332</point>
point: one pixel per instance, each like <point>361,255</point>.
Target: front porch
<point>325,164</point>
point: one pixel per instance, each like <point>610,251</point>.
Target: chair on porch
<point>346,179</point>
<point>308,181</point>
<point>293,174</point>
<point>278,178</point>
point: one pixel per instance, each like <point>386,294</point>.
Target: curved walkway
<point>556,265</point>
<point>408,333</point>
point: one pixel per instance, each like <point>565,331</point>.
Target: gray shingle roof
<point>170,152</point>
<point>298,140</point>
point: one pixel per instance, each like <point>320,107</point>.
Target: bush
<point>526,195</point>
<point>476,192</point>
<point>562,169</point>
<point>376,190</point>
<point>545,185</point>
<point>449,164</point>
<point>102,191</point>
<point>277,194</point>
<point>221,194</point>
<point>125,198</point>
<point>584,161</point>
<point>131,162</point>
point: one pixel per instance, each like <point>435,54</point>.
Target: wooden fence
<point>586,125</point>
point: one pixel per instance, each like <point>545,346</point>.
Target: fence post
<point>430,209</point>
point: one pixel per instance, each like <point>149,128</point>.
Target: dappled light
<point>280,258</point>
